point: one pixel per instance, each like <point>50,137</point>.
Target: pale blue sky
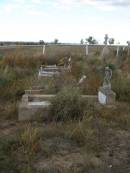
<point>67,20</point>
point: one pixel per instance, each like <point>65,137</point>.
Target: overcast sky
<point>67,20</point>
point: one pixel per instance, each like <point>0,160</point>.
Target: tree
<point>106,39</point>
<point>91,40</point>
<point>56,41</point>
<point>128,42</point>
<point>41,42</point>
<point>81,41</point>
<point>111,41</point>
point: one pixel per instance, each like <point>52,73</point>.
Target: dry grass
<point>93,144</point>
<point>29,140</point>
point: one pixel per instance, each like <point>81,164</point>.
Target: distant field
<point>54,50</point>
<point>50,50</point>
<point>26,50</point>
<point>65,50</point>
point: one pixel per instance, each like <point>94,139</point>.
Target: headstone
<point>106,97</point>
<point>105,93</point>
<point>102,97</point>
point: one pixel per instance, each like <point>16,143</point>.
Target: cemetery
<point>65,112</point>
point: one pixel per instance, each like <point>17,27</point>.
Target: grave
<point>34,106</point>
<point>105,94</point>
<point>50,71</point>
<point>37,106</point>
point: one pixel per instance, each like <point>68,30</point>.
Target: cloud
<point>23,6</point>
<point>8,8</point>
<point>37,5</point>
<point>111,4</point>
<point>123,3</point>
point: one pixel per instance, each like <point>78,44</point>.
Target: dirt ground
<point>60,154</point>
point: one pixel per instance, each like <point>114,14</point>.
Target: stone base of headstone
<point>106,96</point>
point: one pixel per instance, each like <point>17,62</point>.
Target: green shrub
<point>122,89</point>
<point>67,104</point>
<point>111,66</point>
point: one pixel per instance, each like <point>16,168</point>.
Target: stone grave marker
<point>105,93</point>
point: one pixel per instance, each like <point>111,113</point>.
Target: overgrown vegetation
<point>68,105</point>
<point>79,137</point>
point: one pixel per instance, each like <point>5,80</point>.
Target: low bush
<point>111,66</point>
<point>68,104</point>
<point>122,89</point>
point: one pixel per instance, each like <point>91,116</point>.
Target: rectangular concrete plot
<point>34,107</point>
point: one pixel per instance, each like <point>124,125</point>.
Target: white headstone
<point>102,98</point>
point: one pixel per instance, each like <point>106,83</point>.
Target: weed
<point>67,104</point>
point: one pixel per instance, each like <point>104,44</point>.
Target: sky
<point>67,20</point>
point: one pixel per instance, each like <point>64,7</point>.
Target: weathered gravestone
<point>105,93</point>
